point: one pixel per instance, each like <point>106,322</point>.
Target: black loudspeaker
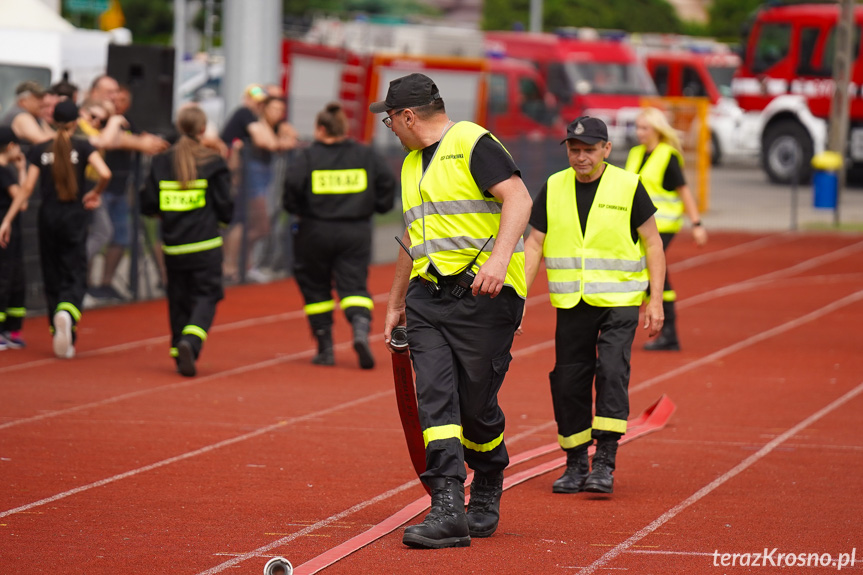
<point>148,71</point>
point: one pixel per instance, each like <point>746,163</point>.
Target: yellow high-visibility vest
<point>669,206</point>
<point>603,267</point>
<point>447,215</point>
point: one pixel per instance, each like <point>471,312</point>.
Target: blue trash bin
<point>825,180</point>
<point>826,186</point>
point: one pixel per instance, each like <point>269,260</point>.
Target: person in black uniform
<point>12,284</point>
<point>593,224</point>
<point>59,166</point>
<point>189,188</point>
<point>334,187</point>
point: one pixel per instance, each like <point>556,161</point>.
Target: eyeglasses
<point>388,121</point>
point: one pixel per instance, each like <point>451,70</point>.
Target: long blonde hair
<point>63,171</point>
<point>191,121</point>
<point>658,121</point>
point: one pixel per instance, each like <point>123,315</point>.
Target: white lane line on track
<point>178,385</point>
<point>719,481</point>
<point>772,276</point>
<point>743,344</point>
<point>310,529</point>
<point>196,452</point>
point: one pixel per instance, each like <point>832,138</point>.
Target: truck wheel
<point>715,150</point>
<point>785,148</point>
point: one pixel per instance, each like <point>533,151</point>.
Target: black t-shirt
<point>642,206</point>
<point>673,177</point>
<point>42,156</point>
<point>120,164</point>
<point>237,126</point>
<point>8,178</point>
<point>490,164</point>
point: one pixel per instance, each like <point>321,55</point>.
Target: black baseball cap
<point>7,136</point>
<point>65,111</point>
<point>407,92</point>
<point>587,129</point>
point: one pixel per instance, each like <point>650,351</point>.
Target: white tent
<point>31,15</point>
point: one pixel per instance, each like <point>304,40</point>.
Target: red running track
<point>113,463</point>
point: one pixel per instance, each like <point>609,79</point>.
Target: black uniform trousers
<point>193,293</point>
<point>63,252</point>
<point>12,285</point>
<point>328,252</point>
<point>460,350</point>
<point>592,342</point>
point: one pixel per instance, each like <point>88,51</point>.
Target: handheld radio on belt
<point>463,281</point>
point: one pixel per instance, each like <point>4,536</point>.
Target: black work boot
<point>446,523</point>
<point>667,339</point>
<point>572,480</point>
<point>325,354</point>
<point>361,325</point>
<point>600,479</point>
<point>483,510</point>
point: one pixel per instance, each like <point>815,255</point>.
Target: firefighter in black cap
<point>334,188</point>
<point>461,294</point>
<point>594,225</point>
<point>58,165</point>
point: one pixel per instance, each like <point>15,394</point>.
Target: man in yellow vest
<point>594,225</point>
<point>460,291</point>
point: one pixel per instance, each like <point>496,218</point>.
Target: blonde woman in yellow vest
<point>659,163</point>
<point>459,289</point>
<point>594,225</point>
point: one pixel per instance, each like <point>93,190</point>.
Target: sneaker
<point>63,346</point>
<point>3,344</point>
<point>13,340</point>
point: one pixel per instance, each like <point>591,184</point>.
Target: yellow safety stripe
<point>182,200</point>
<point>193,248</point>
<point>669,295</point>
<point>451,431</point>
<point>320,307</point>
<point>575,440</point>
<point>173,185</point>
<point>482,447</point>
<point>73,311</point>
<point>609,424</point>
<point>174,352</point>
<point>16,311</point>
<point>351,181</point>
<point>357,301</point>
<point>195,330</point>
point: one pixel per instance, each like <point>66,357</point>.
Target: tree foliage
<point>727,17</point>
<point>628,15</point>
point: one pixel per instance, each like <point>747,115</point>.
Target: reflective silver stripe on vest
<point>563,263</point>
<point>452,208</point>
<point>564,287</point>
<point>615,287</point>
<point>457,243</point>
<point>612,264</point>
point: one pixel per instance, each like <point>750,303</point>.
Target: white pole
<point>179,49</point>
<point>536,15</point>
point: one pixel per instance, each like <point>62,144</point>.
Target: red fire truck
<point>595,76</point>
<point>506,95</point>
<point>785,81</point>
